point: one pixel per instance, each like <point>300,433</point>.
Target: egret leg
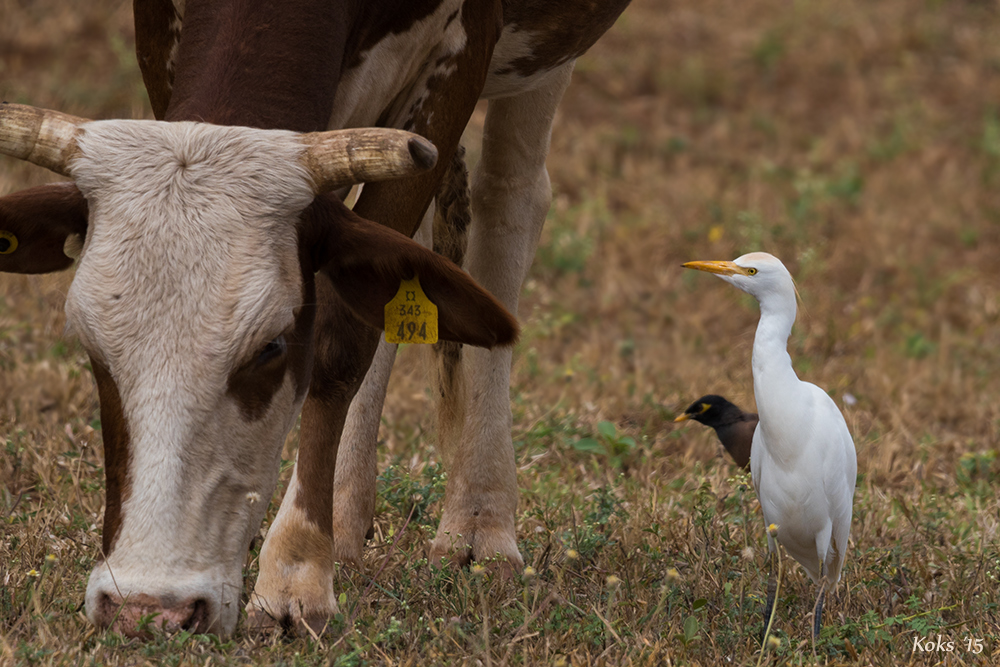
<point>818,611</point>
<point>773,583</point>
<point>818,607</point>
<point>772,587</point>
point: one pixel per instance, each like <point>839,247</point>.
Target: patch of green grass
<point>615,448</point>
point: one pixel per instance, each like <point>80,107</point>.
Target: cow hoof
<point>294,588</point>
<point>260,621</point>
<point>498,552</point>
<point>348,553</point>
<point>293,593</point>
<point>297,597</point>
<point>294,618</point>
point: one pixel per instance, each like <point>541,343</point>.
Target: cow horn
<point>362,155</point>
<point>46,138</point>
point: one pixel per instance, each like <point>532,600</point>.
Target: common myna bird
<point>733,426</point>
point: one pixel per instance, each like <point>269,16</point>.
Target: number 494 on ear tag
<point>411,317</point>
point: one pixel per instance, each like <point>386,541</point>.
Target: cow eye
<point>272,351</point>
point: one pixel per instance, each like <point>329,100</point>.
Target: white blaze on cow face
<point>189,287</point>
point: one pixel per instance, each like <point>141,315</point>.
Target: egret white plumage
<point>803,462</point>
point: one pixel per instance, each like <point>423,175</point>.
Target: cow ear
<point>39,226</point>
<point>366,263</point>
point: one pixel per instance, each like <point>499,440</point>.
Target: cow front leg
<point>511,194</point>
<point>294,588</point>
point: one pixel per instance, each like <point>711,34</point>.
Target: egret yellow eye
<point>8,242</point>
<point>751,272</point>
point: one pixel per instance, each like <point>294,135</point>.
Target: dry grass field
<point>857,141</point>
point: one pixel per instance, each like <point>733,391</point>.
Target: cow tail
<point>452,215</point>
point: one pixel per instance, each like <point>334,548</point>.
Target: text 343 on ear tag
<point>411,317</point>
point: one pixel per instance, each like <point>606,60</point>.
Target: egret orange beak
<point>722,268</point>
<point>682,418</point>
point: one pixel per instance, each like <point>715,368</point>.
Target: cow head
<point>194,298</point>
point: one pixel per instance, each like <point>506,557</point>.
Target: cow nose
<point>140,613</point>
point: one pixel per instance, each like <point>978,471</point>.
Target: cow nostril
<point>107,609</point>
<point>198,621</point>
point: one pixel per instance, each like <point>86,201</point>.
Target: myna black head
<point>711,410</point>
<point>734,427</point>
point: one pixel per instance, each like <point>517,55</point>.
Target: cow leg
<point>357,470</point>
<point>443,228</point>
<point>296,562</point>
<point>295,584</point>
<point>511,194</point>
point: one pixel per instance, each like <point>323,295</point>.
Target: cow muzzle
<point>138,608</point>
<point>137,615</point>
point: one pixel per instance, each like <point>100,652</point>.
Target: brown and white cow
<point>220,279</point>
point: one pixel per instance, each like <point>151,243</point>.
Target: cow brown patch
<point>242,63</point>
<point>344,347</point>
<point>115,434</point>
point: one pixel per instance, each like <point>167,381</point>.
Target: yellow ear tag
<point>411,317</point>
<point>8,242</point>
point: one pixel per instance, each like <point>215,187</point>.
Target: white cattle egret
<point>802,461</point>
<point>733,426</point>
